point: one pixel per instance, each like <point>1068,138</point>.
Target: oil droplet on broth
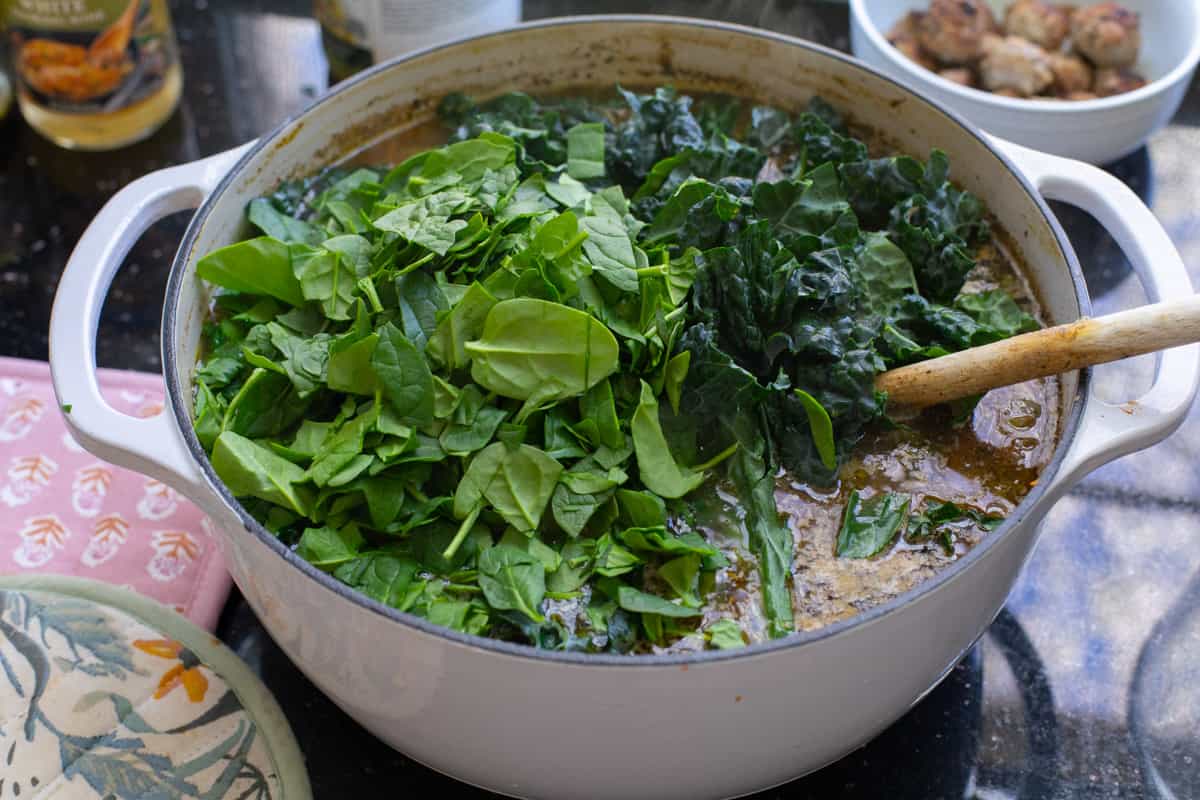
<point>1022,414</point>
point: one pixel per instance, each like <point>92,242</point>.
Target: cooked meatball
<point>1071,74</point>
<point>904,37</point>
<point>953,30</point>
<point>913,51</point>
<point>1109,35</point>
<point>1116,80</point>
<point>1041,23</point>
<point>958,75</point>
<point>1010,62</point>
<point>906,27</point>
<point>1079,96</point>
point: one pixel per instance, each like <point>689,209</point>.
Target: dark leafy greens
<point>489,380</point>
<point>870,525</point>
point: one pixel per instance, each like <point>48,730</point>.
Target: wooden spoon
<point>1042,353</point>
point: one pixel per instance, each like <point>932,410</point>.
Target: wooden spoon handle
<point>1042,353</point>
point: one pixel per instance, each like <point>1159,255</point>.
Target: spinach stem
<point>420,262</point>
<point>463,530</point>
<point>670,316</point>
<point>576,240</point>
<point>717,459</point>
<point>368,289</point>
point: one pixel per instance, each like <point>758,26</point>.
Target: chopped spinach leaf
<point>871,524</point>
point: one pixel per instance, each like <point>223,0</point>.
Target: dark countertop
<point>1085,685</point>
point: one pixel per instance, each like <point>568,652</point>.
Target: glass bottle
<point>5,84</point>
<point>94,74</point>
<point>356,33</point>
<point>344,35</point>
<point>5,95</point>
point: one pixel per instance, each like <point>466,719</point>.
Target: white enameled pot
<point>536,724</point>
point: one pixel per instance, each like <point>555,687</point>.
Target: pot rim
<point>181,406</point>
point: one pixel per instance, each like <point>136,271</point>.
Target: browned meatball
<point>1109,35</point>
<point>953,30</point>
<point>904,37</point>
<point>1041,23</point>
<point>913,51</point>
<point>1116,80</point>
<point>960,75</point>
<point>1071,74</point>
<point>906,27</point>
<point>1010,62</point>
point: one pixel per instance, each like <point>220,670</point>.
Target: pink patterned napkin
<point>64,511</point>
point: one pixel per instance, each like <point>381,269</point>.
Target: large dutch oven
<point>539,724</point>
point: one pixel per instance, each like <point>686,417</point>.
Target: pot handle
<point>151,446</point>
<point>1109,431</point>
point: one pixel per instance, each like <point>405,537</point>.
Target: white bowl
<point>1097,131</point>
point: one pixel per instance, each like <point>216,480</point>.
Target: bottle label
<point>90,56</point>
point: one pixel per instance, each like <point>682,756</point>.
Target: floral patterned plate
<point>105,694</point>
